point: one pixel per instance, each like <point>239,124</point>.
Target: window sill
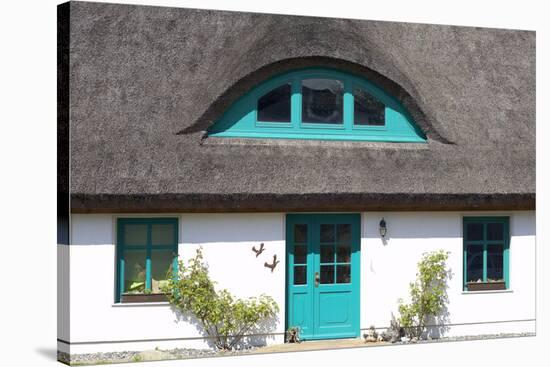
<point>489,291</point>
<point>140,304</point>
<point>306,143</point>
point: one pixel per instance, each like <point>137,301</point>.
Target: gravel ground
<point>477,337</point>
<point>149,355</point>
<point>185,353</point>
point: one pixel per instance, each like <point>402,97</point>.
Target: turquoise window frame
<point>121,247</point>
<point>240,120</point>
<point>484,243</point>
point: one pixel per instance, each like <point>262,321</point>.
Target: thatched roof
<point>146,82</point>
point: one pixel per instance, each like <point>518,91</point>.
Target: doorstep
<point>317,345</point>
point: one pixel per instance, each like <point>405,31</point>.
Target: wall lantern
<point>383,228</point>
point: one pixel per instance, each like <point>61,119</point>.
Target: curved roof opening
<point>320,104</point>
<point>422,120</point>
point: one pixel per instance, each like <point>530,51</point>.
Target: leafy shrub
<point>428,294</point>
<point>223,317</point>
<point>293,334</point>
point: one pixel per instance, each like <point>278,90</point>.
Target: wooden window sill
<point>141,304</point>
<point>488,292</point>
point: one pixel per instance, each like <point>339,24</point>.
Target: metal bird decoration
<point>273,265</point>
<point>258,252</point>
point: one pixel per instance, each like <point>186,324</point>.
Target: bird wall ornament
<point>273,265</point>
<point>260,250</point>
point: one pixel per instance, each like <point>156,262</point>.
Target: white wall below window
<point>97,324</point>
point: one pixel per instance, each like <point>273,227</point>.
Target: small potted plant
<point>138,293</point>
<point>293,334</point>
<point>371,335</point>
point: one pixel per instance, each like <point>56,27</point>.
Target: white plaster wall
<point>227,241</point>
<point>386,269</point>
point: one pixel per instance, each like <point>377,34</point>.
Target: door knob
<point>317,279</point>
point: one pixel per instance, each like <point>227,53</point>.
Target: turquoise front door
<point>323,255</point>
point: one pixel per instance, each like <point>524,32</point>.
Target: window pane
<point>134,271</point>
<point>367,110</point>
<point>344,233</point>
<point>322,101</point>
<point>327,274</point>
<point>495,231</point>
<point>327,253</point>
<point>135,234</point>
<point>495,263</point>
<point>343,274</point>
<point>475,231</point>
<point>474,263</point>
<point>300,254</point>
<point>327,233</point>
<point>163,234</point>
<point>275,105</point>
<point>343,253</point>
<point>161,267</point>
<point>300,274</point>
<point>300,233</point>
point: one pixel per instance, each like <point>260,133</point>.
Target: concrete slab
<point>318,345</point>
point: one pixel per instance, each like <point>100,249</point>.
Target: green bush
<point>428,294</point>
<point>223,317</point>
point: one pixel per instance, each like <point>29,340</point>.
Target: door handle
<point>317,279</point>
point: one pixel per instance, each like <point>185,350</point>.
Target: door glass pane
<point>495,231</point>
<point>495,263</point>
<point>162,234</point>
<point>474,263</point>
<point>327,233</point>
<point>343,273</point>
<point>367,110</point>
<point>300,254</point>
<point>322,101</point>
<point>475,231</point>
<point>344,233</point>
<point>300,233</point>
<point>327,253</point>
<point>327,274</point>
<point>300,274</point>
<point>343,253</point>
<point>134,271</point>
<point>275,105</point>
<point>135,234</point>
<point>161,267</point>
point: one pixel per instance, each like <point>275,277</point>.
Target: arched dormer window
<point>320,104</point>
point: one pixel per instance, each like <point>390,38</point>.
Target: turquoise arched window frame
<point>240,120</point>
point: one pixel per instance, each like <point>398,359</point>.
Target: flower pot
<point>142,297</point>
<point>488,286</point>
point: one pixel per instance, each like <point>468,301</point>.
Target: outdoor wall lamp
<point>382,228</point>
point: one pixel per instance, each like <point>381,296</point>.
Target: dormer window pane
<point>367,110</point>
<point>275,105</point>
<point>322,101</point>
